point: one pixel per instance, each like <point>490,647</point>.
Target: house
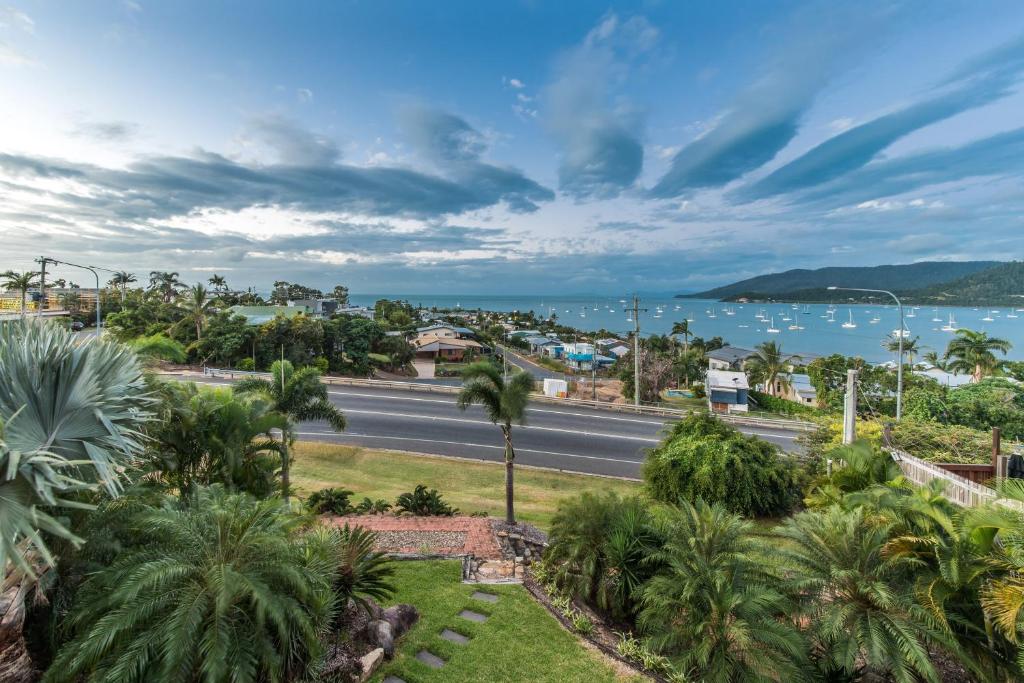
<point>444,330</point>
<point>727,391</point>
<point>446,348</point>
<point>728,358</point>
<point>519,334</point>
<point>543,345</point>
<point>579,356</point>
<point>798,390</point>
<point>943,377</point>
<point>618,351</point>
<point>355,311</point>
<point>616,348</point>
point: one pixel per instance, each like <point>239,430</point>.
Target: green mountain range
<point>931,282</point>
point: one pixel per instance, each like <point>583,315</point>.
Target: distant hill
<point>812,285</point>
<point>1001,285</point>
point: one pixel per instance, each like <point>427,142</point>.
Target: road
<point>537,371</point>
<point>565,438</point>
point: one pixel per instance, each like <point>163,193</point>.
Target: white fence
<point>767,423</point>
<point>959,490</point>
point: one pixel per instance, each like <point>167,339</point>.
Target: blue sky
<point>527,147</point>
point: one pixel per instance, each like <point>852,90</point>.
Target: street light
<point>899,366</point>
<point>92,269</point>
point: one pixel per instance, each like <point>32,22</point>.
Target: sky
<point>508,147</point>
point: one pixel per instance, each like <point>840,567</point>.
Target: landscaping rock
<point>486,597</point>
<point>401,618</point>
<point>370,662</point>
<point>430,659</point>
<point>473,616</point>
<point>454,637</point>
<point>381,635</point>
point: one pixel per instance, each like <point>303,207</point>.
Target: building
<point>727,391</point>
<point>579,356</point>
<point>444,330</point>
<point>616,348</point>
<point>355,311</point>
<point>943,377</point>
<point>545,346</point>
<point>798,390</point>
<point>445,348</point>
<point>728,358</point>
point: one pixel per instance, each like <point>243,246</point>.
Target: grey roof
<point>730,354</point>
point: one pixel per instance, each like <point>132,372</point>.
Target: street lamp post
<point>900,332</point>
<point>92,270</point>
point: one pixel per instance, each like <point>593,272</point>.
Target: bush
<point>321,364</point>
<point>704,458</point>
<point>373,507</point>
<point>923,439</point>
<point>424,503</point>
<point>781,406</point>
<point>699,391</point>
<point>330,501</point>
<point>247,364</point>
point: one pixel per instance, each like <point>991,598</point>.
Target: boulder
<point>370,662</point>
<point>401,618</point>
<point>379,634</point>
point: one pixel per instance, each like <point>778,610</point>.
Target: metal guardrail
<point>768,423</point>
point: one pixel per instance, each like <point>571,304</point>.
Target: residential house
<point>446,348</point>
<point>579,356</point>
<point>943,377</point>
<point>444,330</point>
<point>544,346</point>
<point>728,358</point>
<point>616,348</point>
<point>798,390</point>
<point>727,391</point>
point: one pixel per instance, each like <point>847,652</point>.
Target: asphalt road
<point>570,438</point>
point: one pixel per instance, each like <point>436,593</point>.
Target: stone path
<point>429,535</point>
<point>430,659</point>
<point>486,597</point>
<point>454,637</point>
<point>473,616</point>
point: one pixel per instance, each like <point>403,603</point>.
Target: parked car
<point>77,326</point>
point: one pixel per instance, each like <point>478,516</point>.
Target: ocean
<point>738,324</point>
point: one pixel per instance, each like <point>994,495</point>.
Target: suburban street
<point>566,438</point>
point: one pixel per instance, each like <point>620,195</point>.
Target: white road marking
<point>462,443</point>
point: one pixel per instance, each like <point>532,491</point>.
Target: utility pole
<point>636,351</point>
<point>42,286</point>
<point>850,408</point>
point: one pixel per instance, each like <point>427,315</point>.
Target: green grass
<point>469,486</point>
<point>520,641</point>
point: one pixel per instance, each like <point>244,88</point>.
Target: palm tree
<point>20,282</point>
<point>197,307</point>
<point>222,591</point>
<point>505,403</point>
<point>121,280</point>
<point>218,282</point>
<point>934,359</point>
<point>768,364</point>
<point>973,351</point>
<point>362,573</point>
<point>166,284</point>
<point>715,608</point>
<point>910,347</point>
<point>300,396</point>
<point>70,414</point>
<point>682,329</point>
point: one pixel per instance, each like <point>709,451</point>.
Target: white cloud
<point>304,94</point>
<point>515,83</point>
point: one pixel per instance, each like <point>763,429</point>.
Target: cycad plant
<point>299,395</point>
<point>715,608</point>
<point>224,591</point>
<point>360,573</point>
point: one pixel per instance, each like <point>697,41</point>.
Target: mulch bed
<point>450,536</point>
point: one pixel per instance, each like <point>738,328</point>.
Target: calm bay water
<point>743,328</point>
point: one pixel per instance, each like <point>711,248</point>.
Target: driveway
<point>424,368</point>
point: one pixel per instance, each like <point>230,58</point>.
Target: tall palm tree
<point>682,329</point>
<point>934,359</point>
<point>70,414</point>
<point>973,352</point>
<point>768,365</point>
<point>218,282</point>
<point>121,280</point>
<point>166,284</point>
<point>505,403</point>
<point>715,608</point>
<point>20,282</point>
<point>910,346</point>
<point>197,306</point>
<point>223,591</point>
<point>300,396</point>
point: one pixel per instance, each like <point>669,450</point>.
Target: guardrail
<point>768,423</point>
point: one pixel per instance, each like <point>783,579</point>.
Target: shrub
<point>373,507</point>
<point>704,458</point>
<point>699,391</point>
<point>781,406</point>
<point>424,503</point>
<point>321,364</point>
<point>582,623</point>
<point>330,501</point>
<point>247,364</point>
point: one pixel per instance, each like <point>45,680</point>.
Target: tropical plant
<point>768,367</point>
<point>373,507</point>
<point>14,281</point>
<point>333,501</point>
<point>424,503</point>
<point>197,307</point>
<point>165,284</point>
<point>910,346</point>
<point>218,282</point>
<point>299,395</point>
<point>973,352</point>
<point>600,547</point>
<point>855,467</point>
<point>224,592</point>
<point>504,400</point>
<point>159,347</point>
<point>121,280</point>
<point>682,329</point>
<point>852,591</point>
<point>360,572</point>
<point>70,415</point>
<point>715,608</point>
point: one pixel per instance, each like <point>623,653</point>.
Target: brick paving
<point>478,536</point>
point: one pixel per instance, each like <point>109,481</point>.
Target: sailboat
<point>831,315</point>
<point>1011,314</point>
<point>772,329</point>
<point>951,326</point>
<point>875,320</point>
<point>911,314</point>
<point>850,324</point>
<point>905,333</point>
<point>796,326</point>
<point>988,318</point>
<point>935,316</point>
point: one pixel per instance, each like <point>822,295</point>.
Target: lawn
<point>469,486</point>
<point>520,641</point>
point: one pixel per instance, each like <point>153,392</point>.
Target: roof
<point>542,341</point>
<point>730,354</point>
<point>727,379</point>
<point>802,385</point>
<point>610,341</point>
<point>949,379</point>
<point>438,326</point>
<point>450,342</point>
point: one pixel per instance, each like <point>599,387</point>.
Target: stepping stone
<point>454,636</point>
<point>430,659</point>
<point>486,597</point>
<point>473,616</point>
<point>393,679</point>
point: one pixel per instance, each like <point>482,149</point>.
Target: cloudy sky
<point>517,147</point>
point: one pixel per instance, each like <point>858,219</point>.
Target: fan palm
<point>853,594</point>
<point>299,395</point>
<point>70,414</point>
<point>197,306</point>
<point>505,402</point>
<point>223,592</point>
<point>14,281</point>
<point>973,352</point>
<point>768,364</point>
<point>715,609</point>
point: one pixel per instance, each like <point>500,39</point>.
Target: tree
<point>121,280</point>
<point>910,347</point>
<point>340,294</point>
<point>973,352</point>
<point>218,282</point>
<point>682,329</point>
<point>20,282</point>
<point>767,366</point>
<point>70,414</point>
<point>300,396</point>
<point>933,358</point>
<point>223,591</point>
<point>715,608</point>
<point>505,403</point>
<point>197,307</point>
